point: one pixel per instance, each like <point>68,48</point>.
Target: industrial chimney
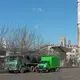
<point>78,8</point>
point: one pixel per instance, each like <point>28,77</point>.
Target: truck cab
<point>15,63</point>
<point>43,66</point>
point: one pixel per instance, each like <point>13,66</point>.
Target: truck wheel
<point>32,69</point>
<point>22,70</point>
<point>38,71</point>
<point>58,69</point>
<point>47,71</point>
<point>54,70</point>
<point>10,71</point>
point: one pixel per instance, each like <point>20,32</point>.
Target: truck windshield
<point>43,62</point>
<point>11,58</point>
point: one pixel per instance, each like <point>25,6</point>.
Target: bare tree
<point>13,39</point>
<point>39,41</point>
<point>3,34</point>
<point>21,40</point>
<point>30,40</point>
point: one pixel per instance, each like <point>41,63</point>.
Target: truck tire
<point>10,71</point>
<point>54,70</point>
<point>22,70</point>
<point>47,71</point>
<point>32,69</point>
<point>58,69</point>
<point>38,71</point>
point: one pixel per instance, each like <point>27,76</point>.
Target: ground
<point>64,74</point>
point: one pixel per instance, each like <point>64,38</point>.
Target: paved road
<point>64,74</point>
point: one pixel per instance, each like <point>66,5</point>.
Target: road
<point>64,74</point>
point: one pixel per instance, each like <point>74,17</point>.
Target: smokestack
<point>78,4</point>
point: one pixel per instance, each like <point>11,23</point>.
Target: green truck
<point>48,63</point>
<point>23,63</point>
<point>20,63</point>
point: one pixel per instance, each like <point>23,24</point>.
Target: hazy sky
<point>49,18</point>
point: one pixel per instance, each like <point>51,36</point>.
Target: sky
<point>49,18</point>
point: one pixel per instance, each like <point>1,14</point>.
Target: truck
<point>20,63</point>
<point>48,63</point>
